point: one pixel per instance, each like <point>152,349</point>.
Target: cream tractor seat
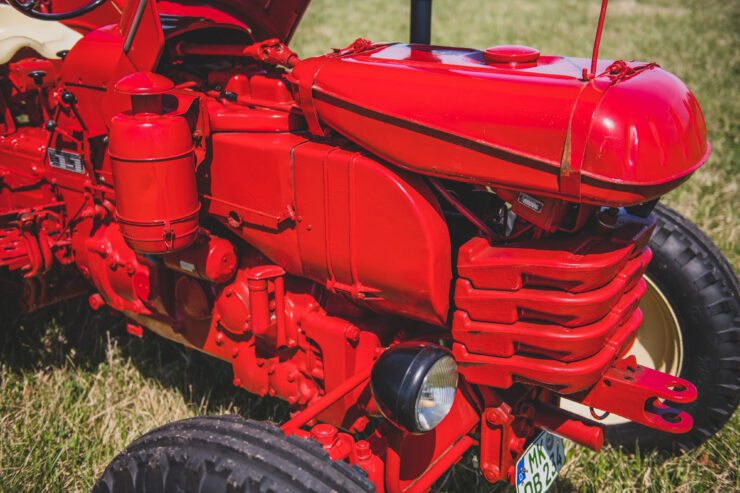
<point>46,37</point>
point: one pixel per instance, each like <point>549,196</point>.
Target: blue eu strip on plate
<point>538,467</point>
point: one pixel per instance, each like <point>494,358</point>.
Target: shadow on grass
<point>70,333</point>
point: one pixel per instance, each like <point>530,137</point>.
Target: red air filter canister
<point>153,169</point>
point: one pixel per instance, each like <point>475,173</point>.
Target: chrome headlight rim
<point>398,378</point>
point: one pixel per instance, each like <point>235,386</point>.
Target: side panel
<point>372,232</point>
<point>361,228</point>
<point>251,190</point>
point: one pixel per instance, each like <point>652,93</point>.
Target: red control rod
<point>597,41</point>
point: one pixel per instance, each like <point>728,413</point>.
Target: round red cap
<point>143,84</point>
<point>511,54</point>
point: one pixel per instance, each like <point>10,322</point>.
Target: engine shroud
<point>626,136</point>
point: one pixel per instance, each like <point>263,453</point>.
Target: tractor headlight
<point>414,385</point>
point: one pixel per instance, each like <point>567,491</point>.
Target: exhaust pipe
<point>421,22</point>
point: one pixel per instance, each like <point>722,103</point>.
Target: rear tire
<point>703,292</point>
<point>216,454</point>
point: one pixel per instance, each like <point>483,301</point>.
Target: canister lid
<point>511,54</point>
<point>143,84</point>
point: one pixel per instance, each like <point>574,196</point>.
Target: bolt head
<point>491,417</point>
<point>491,474</point>
<point>362,449</point>
<point>352,333</point>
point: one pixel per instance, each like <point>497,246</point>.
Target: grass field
<point>74,388</point>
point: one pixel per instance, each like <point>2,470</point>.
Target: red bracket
<point>636,393</point>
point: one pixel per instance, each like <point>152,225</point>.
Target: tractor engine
<point>300,218</point>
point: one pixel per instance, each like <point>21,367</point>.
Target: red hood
<point>265,18</point>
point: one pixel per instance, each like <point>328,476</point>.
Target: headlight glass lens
<point>437,393</point>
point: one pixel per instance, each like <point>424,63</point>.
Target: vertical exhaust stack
<point>421,22</point>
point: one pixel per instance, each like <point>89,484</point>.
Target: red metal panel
<point>555,341</point>
<point>107,13</point>
<point>509,126</point>
<point>251,190</point>
<point>371,232</point>
<point>561,307</point>
<point>272,19</point>
<point>341,203</point>
<point>576,264</point>
<point>564,377</point>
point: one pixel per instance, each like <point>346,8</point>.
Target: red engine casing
<point>627,136</point>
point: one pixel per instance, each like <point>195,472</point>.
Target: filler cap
<point>144,84</point>
<point>511,54</point>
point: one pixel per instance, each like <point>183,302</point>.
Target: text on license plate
<point>538,467</point>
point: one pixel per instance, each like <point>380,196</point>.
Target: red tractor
<point>422,249</point>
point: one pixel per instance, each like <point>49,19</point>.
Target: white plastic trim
<point>46,37</point>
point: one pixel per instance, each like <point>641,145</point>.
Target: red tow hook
<point>637,393</point>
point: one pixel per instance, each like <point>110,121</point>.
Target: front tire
<point>217,454</point>
<point>691,276</point>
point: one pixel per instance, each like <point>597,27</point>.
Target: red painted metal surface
<point>414,462</point>
<point>156,197</point>
<point>643,392</point>
<point>576,264</point>
<point>591,146</point>
<point>563,376</point>
<point>270,51</point>
<point>275,19</point>
<point>211,258</point>
<point>547,339</point>
<point>297,218</point>
<point>323,217</point>
<point>512,55</point>
<point>563,423</point>
<point>543,305</point>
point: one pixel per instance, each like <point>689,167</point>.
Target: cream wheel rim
<point>658,345</point>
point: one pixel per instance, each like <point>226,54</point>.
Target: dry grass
<point>74,388</point>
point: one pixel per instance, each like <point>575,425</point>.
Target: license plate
<point>538,467</point>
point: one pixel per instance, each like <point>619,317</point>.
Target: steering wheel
<point>28,8</point>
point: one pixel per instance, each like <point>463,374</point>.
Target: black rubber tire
<point>215,454</point>
<point>704,293</point>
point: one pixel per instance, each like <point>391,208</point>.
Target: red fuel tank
<point>511,118</point>
<point>153,165</point>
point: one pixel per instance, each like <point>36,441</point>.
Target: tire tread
<point>227,454</point>
<point>705,292</point>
